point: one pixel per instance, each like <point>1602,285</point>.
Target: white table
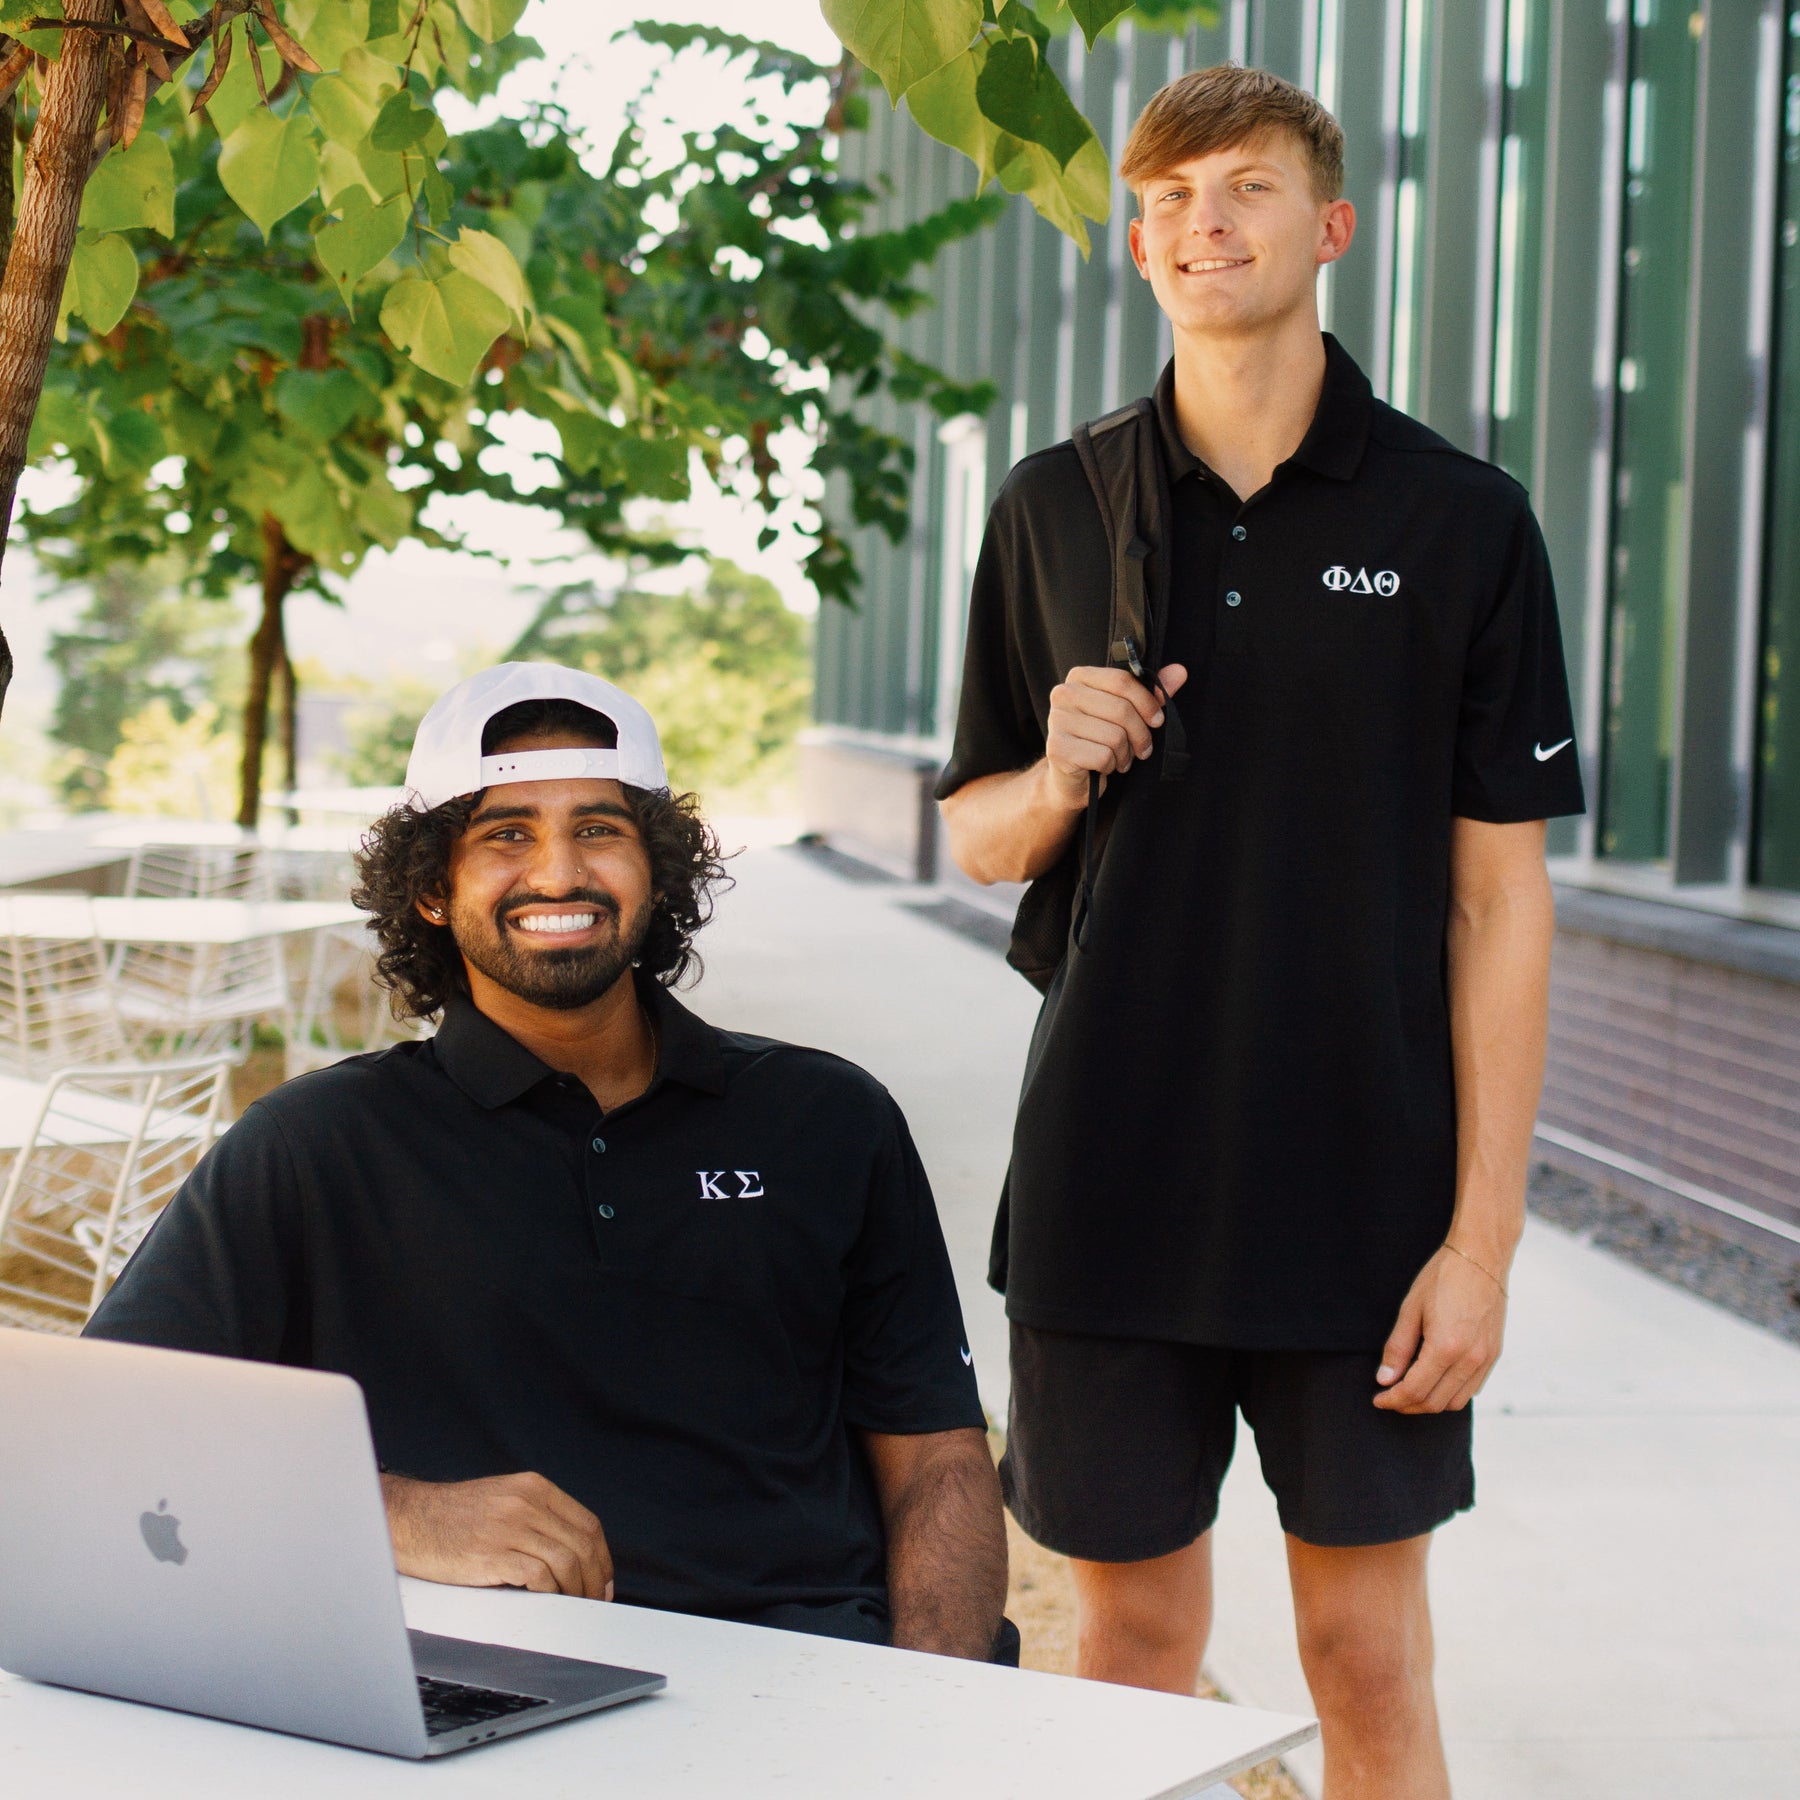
<point>748,1714</point>
<point>207,834</point>
<point>153,921</point>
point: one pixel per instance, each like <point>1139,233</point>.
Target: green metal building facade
<point>1578,255</point>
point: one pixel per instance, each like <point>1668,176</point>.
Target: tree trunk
<point>290,722</point>
<point>57,160</point>
<point>281,567</point>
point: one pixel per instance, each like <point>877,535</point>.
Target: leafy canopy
<point>975,75</point>
<point>337,362</point>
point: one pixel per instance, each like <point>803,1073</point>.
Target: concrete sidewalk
<point>1619,1618</point>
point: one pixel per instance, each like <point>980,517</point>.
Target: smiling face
<point>550,893</point>
<point>1232,242</point>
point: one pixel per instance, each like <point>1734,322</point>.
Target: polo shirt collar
<point>494,1069</point>
<point>1334,442</point>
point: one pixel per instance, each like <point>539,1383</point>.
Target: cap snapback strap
<point>550,765</point>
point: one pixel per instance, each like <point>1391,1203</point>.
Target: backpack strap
<point>1124,467</point>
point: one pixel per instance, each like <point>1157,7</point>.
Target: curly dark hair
<point>405,858</point>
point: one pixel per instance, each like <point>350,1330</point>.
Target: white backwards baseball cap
<point>446,761</point>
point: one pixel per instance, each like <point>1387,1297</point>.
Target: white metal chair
<point>104,1151</point>
<point>343,957</point>
<point>199,999</point>
<point>200,872</point>
<point>57,1003</point>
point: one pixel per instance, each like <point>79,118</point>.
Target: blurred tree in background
<point>138,640</point>
<point>725,670</point>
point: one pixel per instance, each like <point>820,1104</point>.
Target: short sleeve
<point>219,1270</point>
<point>996,729</point>
<point>1516,757</point>
<point>907,1366</point>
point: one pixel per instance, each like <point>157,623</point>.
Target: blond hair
<point>1213,109</point>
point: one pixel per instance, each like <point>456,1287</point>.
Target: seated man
<point>640,1307</point>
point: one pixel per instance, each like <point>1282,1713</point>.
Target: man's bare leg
<point>1145,1624</point>
<point>1364,1625</point>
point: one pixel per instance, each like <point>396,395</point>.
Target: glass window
<point>1519,252</point>
<point>1650,466</point>
<point>1778,749</point>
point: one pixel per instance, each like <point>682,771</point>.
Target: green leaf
<point>103,276</point>
<point>270,165</point>
<point>1093,16</point>
<point>328,28</point>
<point>903,41</point>
<point>1018,90</point>
<point>61,422</point>
<point>344,110</point>
<point>490,20</point>
<point>438,195</point>
<point>130,442</point>
<point>482,255</point>
<point>319,402</point>
<point>15,15</point>
<point>446,326</point>
<point>401,123</point>
<point>944,107</point>
<point>133,187</point>
<point>236,98</point>
<point>1015,19</point>
<point>366,235</point>
<point>1063,196</point>
<point>384,513</point>
<point>373,76</point>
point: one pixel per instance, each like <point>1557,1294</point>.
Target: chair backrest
<point>200,872</point>
<point>57,1003</point>
<point>107,1152</point>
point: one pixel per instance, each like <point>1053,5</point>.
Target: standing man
<point>1272,1144</point>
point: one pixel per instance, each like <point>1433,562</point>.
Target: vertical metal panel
<point>1278,38</point>
<point>1121,272</point>
<point>1575,356</point>
<point>1357,106</point>
<point>1014,304</point>
<point>1091,281</point>
<point>1450,261</point>
<point>1726,401</point>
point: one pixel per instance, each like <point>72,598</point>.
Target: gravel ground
<point>1759,1286</point>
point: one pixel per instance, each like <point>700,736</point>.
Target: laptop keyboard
<point>452,1706</point>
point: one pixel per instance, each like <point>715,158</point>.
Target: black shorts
<point>1116,1447</point>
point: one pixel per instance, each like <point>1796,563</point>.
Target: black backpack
<point>1122,459</point>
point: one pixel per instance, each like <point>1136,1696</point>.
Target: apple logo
<point>162,1532</point>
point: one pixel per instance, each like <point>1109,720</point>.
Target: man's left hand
<point>1446,1340</point>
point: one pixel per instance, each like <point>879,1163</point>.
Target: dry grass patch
<point>1040,1600</point>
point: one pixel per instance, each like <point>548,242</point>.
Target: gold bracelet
<point>1489,1273</point>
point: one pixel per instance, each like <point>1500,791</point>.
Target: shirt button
<point>599,1146</point>
<point>606,1212</point>
<point>1234,598</point>
<point>1238,532</point>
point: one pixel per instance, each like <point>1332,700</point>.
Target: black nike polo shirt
<point>1238,1123</point>
<point>680,1312</point>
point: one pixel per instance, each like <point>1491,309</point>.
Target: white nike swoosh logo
<point>968,1359</point>
<point>1544,755</point>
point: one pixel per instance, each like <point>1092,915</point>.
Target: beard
<point>563,980</point>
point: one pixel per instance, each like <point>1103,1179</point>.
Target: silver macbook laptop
<point>209,1535</point>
